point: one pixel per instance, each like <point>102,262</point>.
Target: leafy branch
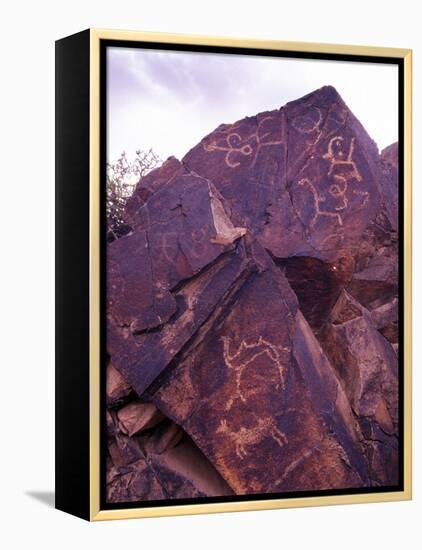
<point>122,177</point>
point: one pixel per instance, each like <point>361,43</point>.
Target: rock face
<point>367,367</point>
<point>252,313</point>
<point>251,386</point>
<point>304,179</point>
<point>154,466</point>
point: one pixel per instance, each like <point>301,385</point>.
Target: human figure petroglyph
<point>245,355</point>
<point>337,158</point>
<point>233,144</point>
<point>243,437</point>
<point>260,137</point>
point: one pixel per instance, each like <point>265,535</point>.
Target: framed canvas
<point>233,275</point>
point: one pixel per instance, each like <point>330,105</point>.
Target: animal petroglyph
<point>243,437</point>
<point>364,194</point>
<point>237,360</point>
<point>318,200</point>
<point>247,353</point>
<point>339,161</point>
<point>233,144</point>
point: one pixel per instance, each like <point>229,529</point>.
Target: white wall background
<point>27,273</point>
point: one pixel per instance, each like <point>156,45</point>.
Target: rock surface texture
<point>252,313</point>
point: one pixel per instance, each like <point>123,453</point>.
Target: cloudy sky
<point>170,100</point>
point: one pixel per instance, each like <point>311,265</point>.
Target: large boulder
<point>366,365</point>
<point>252,313</point>
<point>251,386</point>
<point>304,178</point>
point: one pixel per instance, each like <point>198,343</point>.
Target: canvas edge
<point>96,514</point>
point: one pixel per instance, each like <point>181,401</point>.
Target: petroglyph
<point>245,355</point>
<point>318,200</point>
<point>233,144</point>
<point>295,463</point>
<point>166,250</point>
<point>231,148</point>
<point>198,242</point>
<point>336,156</point>
<point>338,239</point>
<point>339,189</point>
<point>260,137</point>
<point>306,124</point>
<point>243,437</point>
<point>364,194</point>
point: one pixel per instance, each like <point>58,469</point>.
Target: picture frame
<point>82,298</point>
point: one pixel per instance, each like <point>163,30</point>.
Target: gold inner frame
<point>94,250</point>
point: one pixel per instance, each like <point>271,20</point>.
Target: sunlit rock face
<point>252,313</point>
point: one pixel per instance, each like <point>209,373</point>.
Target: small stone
<point>116,387</point>
<point>165,437</point>
<point>136,417</point>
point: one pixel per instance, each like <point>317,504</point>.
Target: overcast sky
<point>170,100</point>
